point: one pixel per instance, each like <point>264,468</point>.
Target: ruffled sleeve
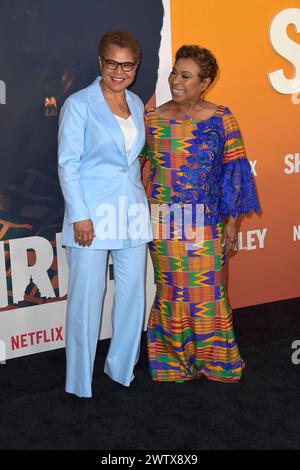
<point>238,193</point>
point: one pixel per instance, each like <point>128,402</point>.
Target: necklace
<point>187,119</point>
<point>122,107</point>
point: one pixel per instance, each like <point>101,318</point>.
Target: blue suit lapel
<point>139,140</point>
<point>101,108</point>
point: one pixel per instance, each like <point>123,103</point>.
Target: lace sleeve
<point>238,193</point>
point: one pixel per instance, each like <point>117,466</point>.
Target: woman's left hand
<point>230,240</point>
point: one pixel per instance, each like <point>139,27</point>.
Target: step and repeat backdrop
<point>257,45</point>
<point>48,50</point>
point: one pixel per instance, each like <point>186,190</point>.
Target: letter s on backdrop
<point>287,48</point>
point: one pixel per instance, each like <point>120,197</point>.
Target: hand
<point>230,241</point>
<point>84,232</point>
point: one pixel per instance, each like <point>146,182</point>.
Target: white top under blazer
<point>129,130</point>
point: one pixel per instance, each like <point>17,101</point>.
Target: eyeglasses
<point>113,65</point>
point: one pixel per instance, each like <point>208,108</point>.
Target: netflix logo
<point>34,338</point>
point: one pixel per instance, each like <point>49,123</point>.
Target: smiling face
<point>185,82</point>
<point>117,80</point>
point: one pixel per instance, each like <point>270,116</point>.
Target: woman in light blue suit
<point>101,133</point>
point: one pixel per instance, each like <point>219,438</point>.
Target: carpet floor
<point>262,411</point>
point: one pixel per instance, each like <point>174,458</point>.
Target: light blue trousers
<point>87,279</point>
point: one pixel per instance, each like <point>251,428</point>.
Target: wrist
<point>232,221</point>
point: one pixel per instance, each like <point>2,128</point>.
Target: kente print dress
<point>190,331</point>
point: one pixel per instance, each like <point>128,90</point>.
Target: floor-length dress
<point>190,331</point>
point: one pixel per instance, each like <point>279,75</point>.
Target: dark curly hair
<point>120,38</point>
<point>203,57</point>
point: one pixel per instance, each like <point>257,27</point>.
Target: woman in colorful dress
<point>197,159</point>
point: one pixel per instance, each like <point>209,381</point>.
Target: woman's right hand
<point>84,232</point>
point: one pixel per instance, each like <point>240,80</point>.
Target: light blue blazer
<point>98,181</point>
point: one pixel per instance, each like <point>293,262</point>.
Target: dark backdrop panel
<point>48,48</point>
